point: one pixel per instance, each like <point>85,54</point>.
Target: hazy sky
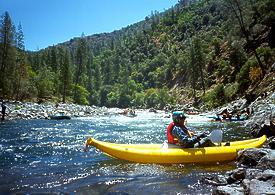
<point>48,22</point>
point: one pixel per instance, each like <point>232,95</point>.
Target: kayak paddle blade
<point>216,136</point>
<point>164,146</point>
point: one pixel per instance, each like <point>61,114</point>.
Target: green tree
<point>243,76</point>
<point>112,99</point>
<point>266,8</point>
<point>151,98</point>
<point>197,64</point>
<point>94,91</point>
<point>65,74</point>
<point>215,97</point>
<point>44,82</point>
<point>124,99</point>
<point>103,94</point>
<point>7,54</point>
<point>107,67</point>
<point>164,98</point>
<point>53,59</point>
<point>246,13</point>
<point>21,69</point>
<point>90,75</point>
<point>81,95</point>
<point>138,100</point>
<point>81,64</point>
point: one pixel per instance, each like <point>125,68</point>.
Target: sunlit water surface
<point>38,156</point>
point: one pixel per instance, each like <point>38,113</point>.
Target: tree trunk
<point>234,5</point>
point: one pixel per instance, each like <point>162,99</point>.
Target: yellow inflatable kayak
<point>166,153</point>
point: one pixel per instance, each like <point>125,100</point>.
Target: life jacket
<point>171,139</point>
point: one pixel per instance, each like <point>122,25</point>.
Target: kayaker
<point>226,115</point>
<point>178,133</point>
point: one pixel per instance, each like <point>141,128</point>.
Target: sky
<point>49,22</point>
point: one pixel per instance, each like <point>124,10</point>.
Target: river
<point>46,156</point>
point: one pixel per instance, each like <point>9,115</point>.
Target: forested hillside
<point>207,51</point>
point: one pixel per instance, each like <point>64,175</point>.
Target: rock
<point>267,161</point>
<point>271,143</point>
<point>228,190</point>
<point>250,97</point>
<point>257,157</point>
<point>236,175</point>
<point>153,110</point>
<point>215,180</point>
<point>251,181</point>
<point>252,173</point>
<point>255,186</point>
<point>261,178</point>
<point>266,175</point>
<point>251,157</point>
<point>268,129</point>
<point>30,110</point>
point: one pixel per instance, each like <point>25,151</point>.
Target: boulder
<point>215,180</point>
<point>266,175</point>
<point>252,173</point>
<point>267,161</point>
<point>251,157</point>
<point>255,186</point>
<point>236,175</point>
<point>268,129</point>
<point>228,190</point>
<point>271,143</point>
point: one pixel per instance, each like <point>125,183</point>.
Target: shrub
<point>112,99</point>
<point>255,74</point>
<point>230,91</point>
<point>138,100</point>
<point>151,98</point>
<point>223,69</point>
<point>243,76</point>
<point>81,95</point>
<point>267,55</point>
<point>215,97</point>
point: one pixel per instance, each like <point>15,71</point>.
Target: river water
<point>46,156</point>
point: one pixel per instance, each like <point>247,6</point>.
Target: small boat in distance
<point>59,116</point>
<point>130,112</point>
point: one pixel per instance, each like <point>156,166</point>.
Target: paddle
<point>216,136</point>
<point>164,146</point>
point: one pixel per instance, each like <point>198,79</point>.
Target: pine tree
<point>90,84</point>
<point>7,54</point>
<point>65,74</point>
<point>53,62</point>
<point>81,60</point>
<point>194,73</point>
<point>197,64</point>
<point>20,72</point>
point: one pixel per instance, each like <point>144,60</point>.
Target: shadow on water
<point>46,156</point>
<point>132,178</point>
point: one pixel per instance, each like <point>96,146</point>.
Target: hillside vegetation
<point>202,51</point>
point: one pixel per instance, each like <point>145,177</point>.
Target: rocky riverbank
<point>255,175</point>
<point>256,167</point>
<point>262,109</point>
<point>29,110</point>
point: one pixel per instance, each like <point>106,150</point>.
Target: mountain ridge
<point>196,50</point>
